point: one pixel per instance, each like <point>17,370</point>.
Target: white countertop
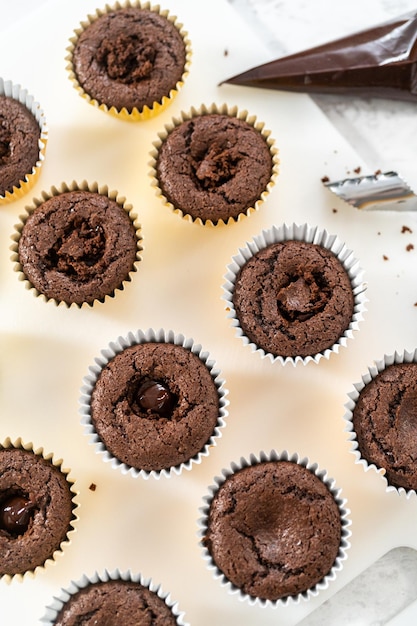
<point>385,135</point>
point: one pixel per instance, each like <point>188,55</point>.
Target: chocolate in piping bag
<point>378,62</point>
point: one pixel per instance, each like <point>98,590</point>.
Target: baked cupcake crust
<point>214,167</point>
<point>130,602</point>
<point>385,422</point>
<point>78,246</point>
<point>273,529</point>
<point>129,58</point>
<point>144,438</point>
<point>19,143</point>
<point>48,498</point>
<point>293,298</point>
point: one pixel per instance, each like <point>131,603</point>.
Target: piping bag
<point>376,62</point>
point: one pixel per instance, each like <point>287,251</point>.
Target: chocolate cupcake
<point>77,245</point>
<point>381,418</point>
<point>37,508</point>
<point>23,138</point>
<point>105,596</point>
<point>129,60</point>
<point>294,294</point>
<point>154,403</point>
<point>215,165</point>
<point>274,529</point>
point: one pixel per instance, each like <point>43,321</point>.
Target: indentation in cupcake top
<point>127,58</point>
<point>152,398</point>
<point>80,247</point>
<point>305,294</point>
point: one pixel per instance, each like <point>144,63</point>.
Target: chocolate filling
<point>303,297</point>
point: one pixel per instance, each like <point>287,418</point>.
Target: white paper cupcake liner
<point>344,518</point>
<point>222,109</point>
<point>309,234</point>
<point>373,371</point>
<point>114,348</point>
<point>137,114</point>
<point>59,601</point>
<point>56,191</point>
<point>59,552</point>
<point>11,90</point>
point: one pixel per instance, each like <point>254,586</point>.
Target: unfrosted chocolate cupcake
<point>274,528</point>
<point>383,420</point>
<point>23,137</point>
<point>36,509</point>
<point>77,245</point>
<point>214,165</point>
<point>129,602</point>
<point>294,293</point>
<point>129,59</point>
<point>155,403</point>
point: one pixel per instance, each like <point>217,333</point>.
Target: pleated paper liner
<point>21,187</point>
<point>137,113</point>
<point>52,553</point>
<point>70,281</point>
<point>223,109</point>
<point>270,533</point>
<point>76,588</point>
<point>302,233</point>
<point>391,443</point>
<point>117,348</point>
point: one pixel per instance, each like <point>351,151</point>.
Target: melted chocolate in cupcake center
<point>127,58</point>
<point>16,511</point>
<point>154,397</point>
<point>81,246</point>
<point>5,138</point>
<point>303,297</point>
<point>217,166</point>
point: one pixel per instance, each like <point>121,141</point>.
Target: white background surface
<point>151,526</point>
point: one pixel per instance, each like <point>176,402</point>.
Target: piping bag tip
<point>385,191</point>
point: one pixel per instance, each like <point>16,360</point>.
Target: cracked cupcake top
<point>77,246</point>
<point>35,510</point>
<point>130,57</point>
<point>273,529</point>
<point>385,422</point>
<point>154,405</point>
<point>293,298</point>
<point>102,602</point>
<point>214,167</point>
<point>19,143</point>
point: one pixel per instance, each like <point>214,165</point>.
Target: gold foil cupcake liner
<point>309,234</point>
<point>10,90</point>
<point>135,115</point>
<point>373,371</point>
<point>114,348</point>
<point>59,601</point>
<point>56,191</point>
<point>222,109</point>
<point>58,553</point>
<point>275,456</point>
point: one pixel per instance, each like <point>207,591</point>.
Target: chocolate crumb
<point>226,52</point>
<point>378,172</point>
<point>384,256</point>
<point>334,210</point>
<point>92,487</point>
<point>406,229</point>
<point>325,179</point>
<point>357,170</point>
<point>409,247</point>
